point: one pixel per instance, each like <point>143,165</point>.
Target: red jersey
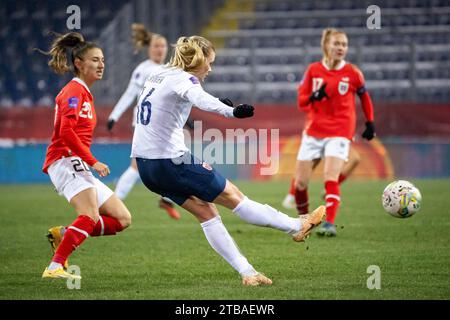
<point>75,120</point>
<point>334,116</point>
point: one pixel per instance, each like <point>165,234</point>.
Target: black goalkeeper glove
<point>319,94</point>
<point>369,133</point>
<point>243,111</point>
<point>110,124</point>
<point>227,101</point>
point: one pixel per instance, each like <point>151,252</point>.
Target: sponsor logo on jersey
<point>346,79</point>
<point>343,87</point>
<point>73,102</point>
<point>206,166</point>
<point>194,80</point>
<point>156,79</point>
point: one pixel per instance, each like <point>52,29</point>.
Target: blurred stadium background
<point>263,47</point>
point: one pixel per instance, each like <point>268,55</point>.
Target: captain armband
<point>361,90</point>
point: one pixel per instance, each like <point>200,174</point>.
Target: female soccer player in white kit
<point>168,168</point>
<point>157,53</point>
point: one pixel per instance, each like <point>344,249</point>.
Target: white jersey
<point>129,97</point>
<point>163,109</point>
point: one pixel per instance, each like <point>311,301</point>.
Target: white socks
<point>221,241</point>
<point>54,265</point>
<point>251,212</point>
<point>126,182</point>
<point>266,216</point>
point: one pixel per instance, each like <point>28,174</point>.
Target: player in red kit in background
<point>353,161</point>
<point>327,93</point>
<point>99,211</point>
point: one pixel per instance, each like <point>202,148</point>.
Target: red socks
<point>332,198</point>
<point>292,189</point>
<point>106,226</point>
<point>80,229</point>
<point>341,178</point>
<point>75,234</point>
<point>301,199</point>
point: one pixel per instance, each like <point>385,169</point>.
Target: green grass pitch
<point>159,258</point>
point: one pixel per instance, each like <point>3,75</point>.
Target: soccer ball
<point>401,199</point>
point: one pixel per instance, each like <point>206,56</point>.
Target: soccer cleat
<point>327,229</point>
<point>54,237</point>
<point>289,202</point>
<point>168,206</point>
<point>256,280</point>
<point>309,222</point>
<point>59,273</point>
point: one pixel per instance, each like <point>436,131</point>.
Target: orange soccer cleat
<point>169,207</point>
<point>256,280</point>
<point>54,237</point>
<point>309,222</point>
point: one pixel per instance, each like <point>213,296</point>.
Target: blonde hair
<point>191,53</point>
<point>142,37</point>
<point>73,43</point>
<point>326,35</point>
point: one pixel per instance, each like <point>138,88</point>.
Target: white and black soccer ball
<point>401,199</point>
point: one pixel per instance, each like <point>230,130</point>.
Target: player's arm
<point>207,102</point>
<point>366,103</point>
<point>304,92</point>
<point>127,99</point>
<point>367,106</point>
<point>190,89</point>
<point>70,108</point>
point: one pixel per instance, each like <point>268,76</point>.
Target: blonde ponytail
<point>190,53</point>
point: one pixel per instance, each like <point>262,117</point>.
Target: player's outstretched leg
<point>309,222</point>
<point>222,242</point>
<point>265,216</point>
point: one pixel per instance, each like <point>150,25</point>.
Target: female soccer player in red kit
<point>327,93</point>
<point>99,211</point>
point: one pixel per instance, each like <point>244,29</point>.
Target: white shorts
<point>315,148</point>
<point>71,175</point>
